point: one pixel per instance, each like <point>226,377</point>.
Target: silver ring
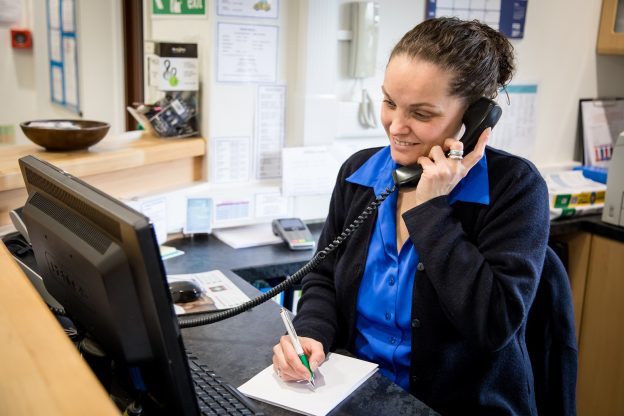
<point>456,157</point>
<point>454,152</point>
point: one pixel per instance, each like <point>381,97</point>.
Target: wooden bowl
<point>63,135</point>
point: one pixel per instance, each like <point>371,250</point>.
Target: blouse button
<point>387,316</point>
<point>391,282</point>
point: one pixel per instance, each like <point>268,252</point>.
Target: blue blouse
<point>383,331</point>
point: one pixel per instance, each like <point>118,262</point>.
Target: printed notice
<point>271,205</point>
<point>515,131</point>
<point>63,53</point>
<point>308,170</point>
<point>230,159</point>
<point>249,8</point>
<point>602,121</point>
<point>270,109</point>
<point>246,53</point>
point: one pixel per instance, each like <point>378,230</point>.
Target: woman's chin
<point>403,156</point>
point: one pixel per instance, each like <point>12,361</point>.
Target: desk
<point>252,334</point>
<point>225,346</point>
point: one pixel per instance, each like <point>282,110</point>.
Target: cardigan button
<point>416,323</point>
<point>414,379</point>
<point>420,267</point>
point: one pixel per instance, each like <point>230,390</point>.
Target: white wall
<point>24,74</point>
<point>557,52</point>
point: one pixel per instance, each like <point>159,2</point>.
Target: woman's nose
<point>398,126</point>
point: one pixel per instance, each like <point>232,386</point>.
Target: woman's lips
<point>402,142</point>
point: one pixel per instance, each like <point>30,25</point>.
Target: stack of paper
<point>335,380</point>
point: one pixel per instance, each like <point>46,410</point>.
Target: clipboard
<point>601,120</point>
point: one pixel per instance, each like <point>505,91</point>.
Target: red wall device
<point>21,38</point>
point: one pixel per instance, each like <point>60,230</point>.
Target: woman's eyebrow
<point>415,106</point>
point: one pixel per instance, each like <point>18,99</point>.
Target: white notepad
<point>335,380</point>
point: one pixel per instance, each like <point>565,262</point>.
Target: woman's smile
<point>400,142</point>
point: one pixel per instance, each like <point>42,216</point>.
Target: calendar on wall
<point>506,16</point>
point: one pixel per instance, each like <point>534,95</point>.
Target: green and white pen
<point>295,341</point>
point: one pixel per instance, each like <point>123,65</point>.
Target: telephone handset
<point>479,116</point>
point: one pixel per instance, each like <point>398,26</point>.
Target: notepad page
<point>335,380</point>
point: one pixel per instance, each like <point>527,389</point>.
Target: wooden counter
<point>121,167</point>
<point>42,372</point>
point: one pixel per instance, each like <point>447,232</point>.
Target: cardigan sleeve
<point>485,286</point>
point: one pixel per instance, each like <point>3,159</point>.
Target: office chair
<point>551,341</point>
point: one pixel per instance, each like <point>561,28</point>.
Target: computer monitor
<point>99,258</point>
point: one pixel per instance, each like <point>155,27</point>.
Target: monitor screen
<point>99,258</point>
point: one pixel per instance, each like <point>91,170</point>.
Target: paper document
<point>602,121</point>
<point>335,380</point>
<point>217,292</point>
<point>570,193</point>
<point>247,236</point>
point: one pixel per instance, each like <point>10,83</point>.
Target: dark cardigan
<point>479,272</point>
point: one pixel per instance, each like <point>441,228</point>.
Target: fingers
<point>473,157</point>
<point>287,364</point>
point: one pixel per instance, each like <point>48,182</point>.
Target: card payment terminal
<point>294,232</point>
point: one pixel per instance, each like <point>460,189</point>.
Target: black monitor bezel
<point>166,373</point>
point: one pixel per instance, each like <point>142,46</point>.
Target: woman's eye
<point>389,103</point>
<point>421,116</point>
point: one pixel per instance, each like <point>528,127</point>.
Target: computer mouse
<point>183,291</point>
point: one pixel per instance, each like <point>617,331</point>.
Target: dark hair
<point>481,58</point>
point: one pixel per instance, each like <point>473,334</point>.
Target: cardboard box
<point>172,66</point>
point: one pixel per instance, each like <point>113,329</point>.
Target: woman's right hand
<point>287,364</point>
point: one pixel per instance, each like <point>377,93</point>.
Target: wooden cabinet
<point>600,384</point>
<point>121,168</point>
<point>611,31</point>
<point>596,270</point>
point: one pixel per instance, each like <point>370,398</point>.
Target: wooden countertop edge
<point>104,158</point>
<point>42,371</point>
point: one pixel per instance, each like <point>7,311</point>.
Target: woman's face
<point>417,112</point>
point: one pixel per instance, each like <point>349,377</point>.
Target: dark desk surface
<point>252,334</point>
<point>240,347</point>
<point>206,252</point>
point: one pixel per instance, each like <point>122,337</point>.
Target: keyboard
<point>216,397</point>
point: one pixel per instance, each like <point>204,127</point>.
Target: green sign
<point>178,7</point>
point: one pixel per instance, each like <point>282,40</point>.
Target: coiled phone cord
<point>205,319</point>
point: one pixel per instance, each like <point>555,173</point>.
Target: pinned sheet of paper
<point>308,170</point>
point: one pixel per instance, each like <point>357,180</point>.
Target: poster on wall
<point>63,53</point>
<point>506,16</point>
<point>246,53</point>
<point>268,9</point>
<point>172,8</point>
<point>270,122</point>
<point>515,132</point>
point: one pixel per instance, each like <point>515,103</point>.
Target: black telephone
<point>479,116</point>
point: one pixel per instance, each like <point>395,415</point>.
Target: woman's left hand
<point>441,173</point>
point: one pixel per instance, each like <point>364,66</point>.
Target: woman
<point>436,287</point>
